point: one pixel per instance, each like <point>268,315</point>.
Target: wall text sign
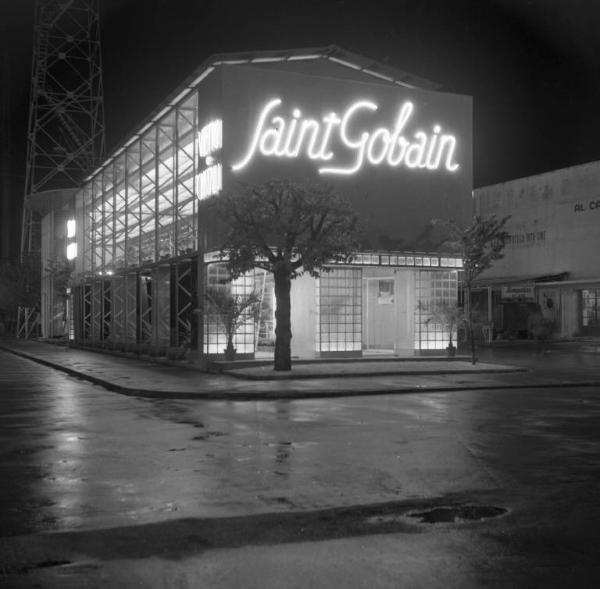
<point>277,134</point>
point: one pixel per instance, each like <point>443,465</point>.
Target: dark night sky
<point>532,66</point>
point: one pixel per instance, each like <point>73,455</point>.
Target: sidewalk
<point>136,377</point>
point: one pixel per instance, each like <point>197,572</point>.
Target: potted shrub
<point>449,317</point>
<point>231,310</point>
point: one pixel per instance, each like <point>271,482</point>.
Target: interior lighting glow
<point>301,57</point>
<point>267,59</point>
<point>404,84</point>
<point>71,228</point>
<point>71,251</point>
<point>378,75</point>
<point>276,135</point>
<point>231,62</point>
<point>345,63</point>
<point>210,181</point>
<point>210,138</point>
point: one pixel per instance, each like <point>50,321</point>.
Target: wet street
<point>103,490</point>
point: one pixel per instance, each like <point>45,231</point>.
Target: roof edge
<point>334,53</point>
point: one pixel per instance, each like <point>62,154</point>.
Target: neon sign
<point>277,136</point>
<point>210,140</point>
<point>71,243</point>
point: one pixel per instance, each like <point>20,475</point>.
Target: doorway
<point>379,315</point>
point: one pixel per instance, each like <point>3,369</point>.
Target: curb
<point>265,395</point>
<point>275,377</point>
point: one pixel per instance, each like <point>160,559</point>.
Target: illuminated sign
<point>71,228</point>
<point>525,292</point>
<point>210,140</point>
<point>71,251</point>
<point>71,243</point>
<point>277,136</point>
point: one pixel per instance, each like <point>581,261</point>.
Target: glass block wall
<point>215,335</point>
<point>265,288</point>
<point>339,296</point>
<point>433,289</point>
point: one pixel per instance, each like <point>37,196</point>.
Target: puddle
<point>45,564</point>
<point>444,514</point>
<point>456,514</point>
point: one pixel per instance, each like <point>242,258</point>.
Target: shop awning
<point>529,279</point>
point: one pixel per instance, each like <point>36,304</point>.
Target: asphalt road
<point>102,490</point>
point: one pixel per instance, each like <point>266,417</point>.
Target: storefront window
<point>215,336</point>
<point>434,289</point>
<point>340,310</point>
<point>590,307</point>
<point>265,288</point>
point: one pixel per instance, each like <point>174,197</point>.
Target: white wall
<point>555,224</point>
<point>304,316</point>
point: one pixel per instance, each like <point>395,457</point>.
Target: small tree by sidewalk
<point>481,244</point>
<point>231,310</point>
<point>449,317</point>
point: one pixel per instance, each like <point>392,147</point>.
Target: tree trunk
<point>471,331</point>
<point>283,327</point>
<point>230,350</point>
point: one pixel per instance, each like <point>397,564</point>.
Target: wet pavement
<point>107,490</point>
<point>526,366</point>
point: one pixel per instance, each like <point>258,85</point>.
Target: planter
<point>451,350</point>
<point>229,352</point>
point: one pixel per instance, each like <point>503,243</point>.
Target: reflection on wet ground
<point>74,457</point>
<point>77,455</point>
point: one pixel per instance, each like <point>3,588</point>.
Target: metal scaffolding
<point>65,140</point>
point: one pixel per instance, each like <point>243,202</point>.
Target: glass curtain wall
<point>138,219</point>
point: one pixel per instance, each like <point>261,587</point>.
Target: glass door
<point>379,314</point>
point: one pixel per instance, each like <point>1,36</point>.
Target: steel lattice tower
<point>65,140</point>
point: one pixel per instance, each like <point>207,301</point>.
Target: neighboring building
<point>400,151</point>
<point>549,263</point>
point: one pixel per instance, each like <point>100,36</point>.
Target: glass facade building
<point>144,244</point>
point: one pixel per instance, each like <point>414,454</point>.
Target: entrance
<point>379,315</point>
<point>590,311</point>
